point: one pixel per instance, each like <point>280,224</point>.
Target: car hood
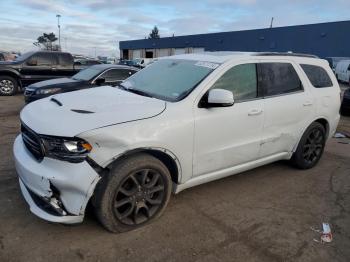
<point>70,114</point>
<point>55,82</point>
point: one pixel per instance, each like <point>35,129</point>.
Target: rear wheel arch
<point>323,121</point>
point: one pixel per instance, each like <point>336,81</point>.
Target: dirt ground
<point>261,215</point>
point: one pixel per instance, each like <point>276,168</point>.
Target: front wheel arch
<point>13,75</point>
<point>167,157</point>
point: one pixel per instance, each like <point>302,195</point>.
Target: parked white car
<point>180,122</point>
<point>342,71</point>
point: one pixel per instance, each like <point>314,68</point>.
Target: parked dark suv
<point>92,76</point>
<point>33,67</point>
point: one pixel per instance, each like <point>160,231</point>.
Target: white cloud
<point>87,24</point>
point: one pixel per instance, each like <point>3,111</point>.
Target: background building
<point>324,40</point>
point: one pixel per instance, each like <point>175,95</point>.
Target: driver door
<point>37,68</point>
<point>230,136</point>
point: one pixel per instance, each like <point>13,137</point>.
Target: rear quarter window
<point>65,59</point>
<point>318,77</point>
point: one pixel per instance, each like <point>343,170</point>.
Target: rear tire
<point>8,86</point>
<point>134,193</point>
<point>310,147</point>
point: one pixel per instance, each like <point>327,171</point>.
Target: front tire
<point>310,147</point>
<point>134,193</point>
<point>8,86</point>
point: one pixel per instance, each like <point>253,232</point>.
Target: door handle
<point>255,112</point>
<point>307,103</point>
<point>54,68</point>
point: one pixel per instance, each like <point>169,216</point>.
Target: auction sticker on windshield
<point>207,64</point>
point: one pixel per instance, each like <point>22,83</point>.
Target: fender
<point>145,149</point>
<point>9,71</point>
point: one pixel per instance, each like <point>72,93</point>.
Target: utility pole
<point>59,30</point>
<point>95,51</point>
<point>65,44</point>
<point>271,22</point>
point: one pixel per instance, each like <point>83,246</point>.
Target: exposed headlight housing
<point>47,91</point>
<point>73,150</point>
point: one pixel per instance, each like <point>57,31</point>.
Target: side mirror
<point>32,62</point>
<point>219,98</point>
<point>100,81</point>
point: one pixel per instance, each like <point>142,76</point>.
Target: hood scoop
<point>82,111</point>
<point>56,101</point>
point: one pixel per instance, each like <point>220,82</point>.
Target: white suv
<point>183,121</point>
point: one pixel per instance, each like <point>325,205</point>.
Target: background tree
<point>46,41</point>
<point>154,33</point>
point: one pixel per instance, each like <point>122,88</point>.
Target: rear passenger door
<point>64,65</point>
<point>288,106</point>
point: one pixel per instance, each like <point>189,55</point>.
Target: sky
<point>89,26</point>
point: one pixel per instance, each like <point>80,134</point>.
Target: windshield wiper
<point>139,92</point>
<point>135,91</point>
<point>121,86</point>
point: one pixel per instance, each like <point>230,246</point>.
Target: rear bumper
<point>56,191</point>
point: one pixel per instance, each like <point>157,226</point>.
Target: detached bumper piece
<point>48,209</point>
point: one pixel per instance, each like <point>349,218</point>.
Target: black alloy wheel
<point>135,192</point>
<point>310,147</point>
<point>139,197</point>
<point>313,146</point>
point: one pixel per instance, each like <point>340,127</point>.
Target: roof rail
<point>285,54</point>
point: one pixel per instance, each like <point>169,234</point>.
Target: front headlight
<point>68,149</point>
<point>47,91</point>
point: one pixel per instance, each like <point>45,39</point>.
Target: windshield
<point>24,56</point>
<point>87,74</point>
<point>170,79</point>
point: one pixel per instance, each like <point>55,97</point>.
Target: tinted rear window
<point>317,76</point>
<point>278,78</point>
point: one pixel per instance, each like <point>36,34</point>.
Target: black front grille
<point>33,142</point>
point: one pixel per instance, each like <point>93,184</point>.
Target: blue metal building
<point>324,40</point>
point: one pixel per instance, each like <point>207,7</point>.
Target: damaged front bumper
<point>57,191</point>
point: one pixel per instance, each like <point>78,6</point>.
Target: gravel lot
<point>261,215</point>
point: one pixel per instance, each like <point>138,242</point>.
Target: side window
<point>241,80</point>
<point>43,59</point>
<point>318,77</point>
<point>91,62</point>
<point>115,75</point>
<point>65,59</point>
<point>278,78</point>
